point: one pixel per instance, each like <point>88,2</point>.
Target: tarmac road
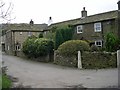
<point>48,75</point>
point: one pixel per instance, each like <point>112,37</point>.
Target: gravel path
<point>46,75</point>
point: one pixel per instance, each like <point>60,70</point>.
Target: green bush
<point>44,47</point>
<point>72,46</point>
<point>29,47</point>
<point>112,42</point>
<point>36,47</point>
<point>63,34</point>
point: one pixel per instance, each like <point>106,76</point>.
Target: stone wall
<point>65,61</point>
<point>90,60</point>
<point>48,58</point>
<point>99,60</point>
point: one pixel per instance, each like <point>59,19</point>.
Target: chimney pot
<point>50,21</point>
<point>84,13</point>
<point>84,8</point>
<point>118,5</point>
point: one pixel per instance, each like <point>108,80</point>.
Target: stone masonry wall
<point>90,60</point>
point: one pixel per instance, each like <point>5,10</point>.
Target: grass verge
<point>6,82</point>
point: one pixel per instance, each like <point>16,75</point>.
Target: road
<point>48,75</point>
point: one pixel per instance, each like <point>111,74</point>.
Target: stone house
<point>16,34</point>
<point>93,28</point>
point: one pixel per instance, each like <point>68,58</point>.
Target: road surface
<point>48,75</point>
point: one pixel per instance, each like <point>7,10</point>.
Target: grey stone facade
<point>107,20</point>
<point>16,34</point>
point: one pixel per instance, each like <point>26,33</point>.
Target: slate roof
<point>89,19</point>
<point>23,26</point>
<point>98,17</point>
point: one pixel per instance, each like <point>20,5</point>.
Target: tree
<point>58,39</point>
<point>6,11</point>
<point>63,34</point>
<point>112,42</point>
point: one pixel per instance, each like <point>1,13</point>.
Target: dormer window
<point>80,29</point>
<point>97,27</point>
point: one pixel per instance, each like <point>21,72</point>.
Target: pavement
<point>48,75</point>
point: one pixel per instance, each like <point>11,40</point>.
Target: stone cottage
<point>93,28</point>
<point>16,34</point>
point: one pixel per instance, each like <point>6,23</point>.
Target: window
<point>29,33</point>
<point>20,33</point>
<point>98,43</point>
<point>17,47</point>
<point>8,48</point>
<point>80,29</point>
<point>97,27</point>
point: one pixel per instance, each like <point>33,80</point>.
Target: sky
<point>60,10</point>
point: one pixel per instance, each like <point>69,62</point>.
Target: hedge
<point>36,47</point>
<point>72,46</point>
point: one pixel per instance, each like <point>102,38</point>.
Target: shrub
<point>44,47</point>
<point>112,42</point>
<point>37,47</point>
<point>58,39</point>
<point>63,34</point>
<point>72,46</point>
<point>29,47</point>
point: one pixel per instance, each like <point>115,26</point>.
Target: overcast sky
<point>59,10</point>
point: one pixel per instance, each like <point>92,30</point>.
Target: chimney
<point>50,21</point>
<point>84,13</point>
<point>31,22</point>
<point>118,5</point>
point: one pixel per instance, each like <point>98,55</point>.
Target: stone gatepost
<point>118,58</point>
<point>118,65</point>
<point>79,60</point>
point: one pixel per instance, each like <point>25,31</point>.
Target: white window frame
<point>20,33</point>
<point>100,42</point>
<point>29,34</point>
<point>79,29</point>
<point>8,48</point>
<point>17,47</point>
<point>97,27</point>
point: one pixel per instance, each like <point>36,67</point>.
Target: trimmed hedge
<point>36,47</point>
<point>72,46</point>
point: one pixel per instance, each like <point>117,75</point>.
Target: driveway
<point>46,75</point>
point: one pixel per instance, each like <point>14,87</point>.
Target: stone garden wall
<point>65,61</point>
<point>47,58</point>
<point>90,60</point>
<point>99,60</point>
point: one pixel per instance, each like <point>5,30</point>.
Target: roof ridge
<point>85,17</point>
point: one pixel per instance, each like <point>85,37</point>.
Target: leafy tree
<point>112,42</point>
<point>63,34</point>
<point>58,39</point>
